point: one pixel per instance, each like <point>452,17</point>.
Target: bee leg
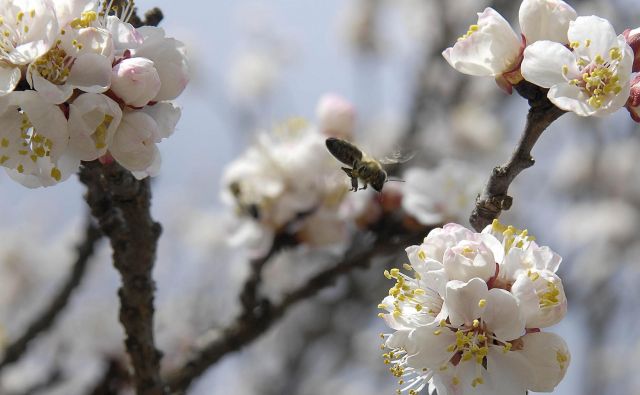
<point>354,179</point>
<point>365,186</point>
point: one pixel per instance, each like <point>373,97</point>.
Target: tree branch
<point>494,198</point>
<point>47,317</point>
<point>121,204</point>
<point>248,327</point>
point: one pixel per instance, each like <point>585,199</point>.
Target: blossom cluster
<point>469,314</point>
<point>79,83</point>
<point>587,67</point>
<point>287,177</point>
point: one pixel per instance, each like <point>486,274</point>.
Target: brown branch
<point>47,317</point>
<point>494,198</point>
<point>121,204</point>
<point>114,379</point>
<point>247,327</point>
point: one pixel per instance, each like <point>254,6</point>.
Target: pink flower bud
<point>336,116</point>
<point>633,103</point>
<point>135,81</point>
<point>633,39</point>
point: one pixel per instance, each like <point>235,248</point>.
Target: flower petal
<point>502,315</point>
<point>463,300</point>
<point>543,63</point>
<point>548,357</point>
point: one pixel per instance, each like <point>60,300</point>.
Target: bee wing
<point>344,151</point>
<point>398,157</point>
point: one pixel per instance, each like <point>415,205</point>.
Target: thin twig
<point>121,204</point>
<point>494,198</point>
<point>47,317</point>
<point>247,328</point>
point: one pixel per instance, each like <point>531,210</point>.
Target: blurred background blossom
<point>256,64</point>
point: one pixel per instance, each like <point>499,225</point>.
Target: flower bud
<point>633,103</point>
<point>336,116</point>
<point>469,259</point>
<point>633,39</point>
<point>135,81</point>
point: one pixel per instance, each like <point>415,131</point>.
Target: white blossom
<point>81,58</point>
<point>33,136</point>
<point>93,120</point>
<point>468,314</point>
<point>443,194</point>
<point>28,29</point>
<point>546,20</point>
<point>336,116</point>
<point>591,79</point>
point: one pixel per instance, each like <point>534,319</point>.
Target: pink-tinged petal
<point>490,50</point>
<point>494,245</point>
<point>546,20</point>
<point>427,346</point>
<point>91,73</point>
<point>9,78</point>
<point>463,300</point>
<point>548,357</point>
<point>502,315</point>
<point>599,33</point>
<point>544,61</point>
<point>571,98</point>
<point>542,298</point>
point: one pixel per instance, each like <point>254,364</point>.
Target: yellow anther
<point>476,323</point>
<point>482,302</point>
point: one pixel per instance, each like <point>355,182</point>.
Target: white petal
<point>428,350</point>
<point>508,373</point>
<point>503,316</point>
<point>91,72</point>
<point>166,115</point>
<point>548,357</point>
<point>571,98</point>
<point>151,171</point>
<point>462,300</point>
<point>601,35</point>
<point>9,78</point>
<point>133,145</point>
<point>545,20</point>
<point>50,92</point>
<point>543,63</point>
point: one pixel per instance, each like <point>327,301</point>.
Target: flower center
<point>472,343</point>
<point>29,148</point>
<point>14,32</point>
<point>599,77</point>
<point>123,9</point>
<point>54,66</point>
<point>407,293</point>
<point>100,135</point>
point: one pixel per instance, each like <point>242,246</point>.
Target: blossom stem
<point>493,198</point>
<point>47,317</point>
<point>121,204</point>
<point>247,328</point>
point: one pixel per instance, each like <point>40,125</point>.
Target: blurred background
<point>258,63</point>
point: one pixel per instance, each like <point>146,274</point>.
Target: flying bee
<point>363,167</point>
<point>251,209</point>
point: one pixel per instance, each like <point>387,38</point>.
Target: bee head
<point>378,182</point>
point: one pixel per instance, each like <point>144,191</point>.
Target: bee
<point>251,209</point>
<point>363,167</point>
